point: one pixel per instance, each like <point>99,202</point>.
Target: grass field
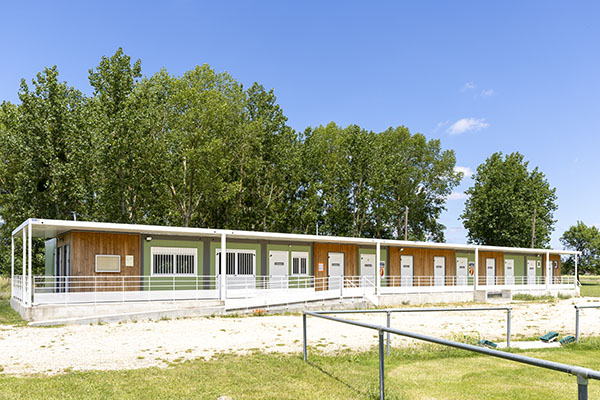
<point>8,316</point>
<point>428,372</point>
<point>422,372</point>
<point>590,285</point>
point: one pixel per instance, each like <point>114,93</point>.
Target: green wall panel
<point>289,249</point>
<point>367,250</point>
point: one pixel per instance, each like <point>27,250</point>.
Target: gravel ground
<point>28,350</point>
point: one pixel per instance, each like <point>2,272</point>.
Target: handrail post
<point>582,387</point>
<point>389,325</point>
<point>508,316</point>
<point>381,365</point>
<point>576,324</point>
<point>304,352</point>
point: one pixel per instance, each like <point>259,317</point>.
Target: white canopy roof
<point>49,228</point>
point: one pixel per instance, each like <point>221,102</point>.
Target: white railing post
<point>547,270</point>
<point>223,268</point>
<point>12,266</point>
<point>24,270</point>
<point>476,272</point>
<point>29,262</point>
<point>378,267</point>
<point>575,283</point>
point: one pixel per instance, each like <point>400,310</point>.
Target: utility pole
<point>406,223</point>
<point>533,228</point>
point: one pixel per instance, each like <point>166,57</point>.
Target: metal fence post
<point>381,382</point>
<point>582,387</point>
<point>304,337</point>
<point>508,317</point>
<point>389,325</point>
<point>576,324</point>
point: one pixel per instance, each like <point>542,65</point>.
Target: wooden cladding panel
<point>422,261</point>
<point>556,257</point>
<point>321,252</point>
<point>84,248</point>
<point>86,245</point>
<point>498,256</point>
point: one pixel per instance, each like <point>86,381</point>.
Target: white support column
<point>30,264</point>
<point>476,272</point>
<point>378,266</point>
<point>575,283</point>
<point>12,265</point>
<point>24,270</point>
<point>223,274</point>
<point>547,270</point>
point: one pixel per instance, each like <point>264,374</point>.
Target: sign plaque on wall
<point>321,267</point>
<point>129,261</point>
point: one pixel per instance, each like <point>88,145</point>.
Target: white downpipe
<point>24,270</point>
<point>378,266</point>
<point>223,272</point>
<point>476,272</point>
<point>30,264</point>
<point>547,270</point>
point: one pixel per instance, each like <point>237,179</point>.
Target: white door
<point>278,269</point>
<point>439,270</point>
<point>406,270</point>
<point>509,271</point>
<point>531,272</point>
<point>461,270</point>
<point>490,271</point>
<point>367,270</point>
<point>335,268</point>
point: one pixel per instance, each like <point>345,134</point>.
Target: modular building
<point>96,268</point>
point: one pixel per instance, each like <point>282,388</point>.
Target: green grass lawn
<point>8,316</point>
<point>426,372</point>
<point>590,285</point>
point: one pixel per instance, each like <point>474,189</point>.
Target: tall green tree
<point>585,239</point>
<point>503,201</point>
<point>45,151</point>
<point>122,149</point>
<point>412,172</point>
<point>197,137</point>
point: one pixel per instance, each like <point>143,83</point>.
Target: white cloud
<point>457,196</point>
<point>466,125</point>
<point>468,86</point>
<point>440,125</point>
<point>467,172</point>
<point>487,93</point>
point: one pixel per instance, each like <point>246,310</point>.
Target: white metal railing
<point>114,288</point>
<point>107,289</point>
<point>409,281</point>
<point>17,287</point>
<point>524,280</point>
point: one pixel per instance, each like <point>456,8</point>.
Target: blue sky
<point>480,76</point>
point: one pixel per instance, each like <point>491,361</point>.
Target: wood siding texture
<point>86,245</point>
<point>422,262</point>
<point>556,272</point>
<point>320,255</point>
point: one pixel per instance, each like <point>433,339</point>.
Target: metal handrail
<point>582,373</point>
<point>577,308</point>
<point>389,311</point>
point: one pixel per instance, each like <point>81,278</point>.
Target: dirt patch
<point>27,350</point>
